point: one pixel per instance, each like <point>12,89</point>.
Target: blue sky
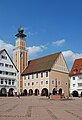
<point>50,25</point>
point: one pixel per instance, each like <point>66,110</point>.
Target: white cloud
<point>34,50</point>
<point>8,47</point>
<point>32,33</point>
<point>70,56</point>
<point>59,42</point>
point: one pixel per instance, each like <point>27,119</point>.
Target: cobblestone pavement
<point>39,108</point>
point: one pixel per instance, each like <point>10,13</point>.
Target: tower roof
<point>20,32</point>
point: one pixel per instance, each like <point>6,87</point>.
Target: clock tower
<point>20,55</point>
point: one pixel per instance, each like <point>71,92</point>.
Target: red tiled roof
<point>76,68</point>
<point>41,64</point>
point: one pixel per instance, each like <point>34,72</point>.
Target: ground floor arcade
<point>7,92</point>
<point>43,92</point>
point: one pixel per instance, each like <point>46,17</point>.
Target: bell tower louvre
<point>20,56</point>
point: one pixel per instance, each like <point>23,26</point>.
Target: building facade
<point>75,76</point>
<point>20,55</point>
<point>8,75</point>
<point>46,75</point>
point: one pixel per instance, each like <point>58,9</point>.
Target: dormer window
<point>75,71</point>
<point>80,70</point>
<point>76,66</point>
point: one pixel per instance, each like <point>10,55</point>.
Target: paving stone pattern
<point>39,108</point>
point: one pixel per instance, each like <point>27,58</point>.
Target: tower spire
<point>20,33</point>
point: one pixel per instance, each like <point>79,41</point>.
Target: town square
<point>40,108</point>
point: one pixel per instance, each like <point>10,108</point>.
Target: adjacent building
<point>20,55</point>
<point>46,75</point>
<point>8,75</point>
<point>76,78</point>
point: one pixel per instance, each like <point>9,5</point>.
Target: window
<point>80,77</point>
<point>4,57</point>
<point>32,83</point>
<point>58,82</point>
<point>41,82</point>
<point>5,81</point>
<point>53,82</point>
<point>36,83</point>
<point>1,81</point>
<point>28,84</point>
<point>13,82</point>
<point>6,65</point>
<point>0,72</point>
<point>46,74</point>
<point>81,70</point>
<point>80,84</point>
<point>73,78</point>
<point>42,75</point>
<point>24,84</point>
<point>28,76</point>
<point>36,75</point>
<point>76,66</point>
<point>24,77</point>
<point>11,66</point>
<point>32,76</point>
<point>4,73</point>
<point>73,85</point>
<point>1,64</point>
<point>9,82</point>
<point>20,54</point>
<point>46,82</point>
<point>75,71</point>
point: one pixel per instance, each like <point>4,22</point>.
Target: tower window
<point>20,54</point>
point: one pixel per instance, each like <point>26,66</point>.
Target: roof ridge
<point>41,64</point>
<point>45,56</point>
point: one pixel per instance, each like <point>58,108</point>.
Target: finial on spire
<point>20,30</point>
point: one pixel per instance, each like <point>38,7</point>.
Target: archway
<point>54,92</point>
<point>75,93</point>
<point>25,92</point>
<point>36,92</point>
<point>30,92</point>
<point>60,91</point>
<point>44,92</point>
<point>81,94</point>
<point>3,92</point>
<point>10,93</point>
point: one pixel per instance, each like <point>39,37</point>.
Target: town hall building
<point>41,76</point>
